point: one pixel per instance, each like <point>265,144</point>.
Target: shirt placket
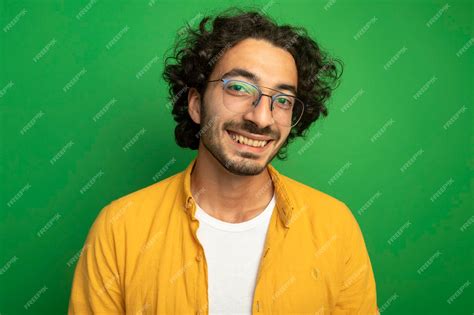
<point>202,307</point>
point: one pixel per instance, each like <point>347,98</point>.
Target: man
<point>230,234</point>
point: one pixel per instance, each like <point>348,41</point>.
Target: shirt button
<point>315,273</point>
<point>198,257</point>
<point>188,203</point>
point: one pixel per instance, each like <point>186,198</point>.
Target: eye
<point>284,102</point>
<point>238,88</point>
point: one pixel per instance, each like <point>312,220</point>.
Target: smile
<point>248,142</point>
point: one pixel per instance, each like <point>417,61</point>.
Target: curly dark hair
<point>196,50</point>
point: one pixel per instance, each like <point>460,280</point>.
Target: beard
<point>244,163</point>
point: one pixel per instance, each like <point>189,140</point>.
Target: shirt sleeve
<point>96,285</point>
<point>358,290</point>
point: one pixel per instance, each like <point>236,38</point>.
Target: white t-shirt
<point>233,252</point>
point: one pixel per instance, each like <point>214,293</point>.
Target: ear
<point>194,105</point>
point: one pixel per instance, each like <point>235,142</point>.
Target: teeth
<point>247,141</point>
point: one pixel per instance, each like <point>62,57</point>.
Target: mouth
<point>247,143</point>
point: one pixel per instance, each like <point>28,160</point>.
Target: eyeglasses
<point>241,97</point>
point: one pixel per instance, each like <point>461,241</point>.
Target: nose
<point>261,113</point>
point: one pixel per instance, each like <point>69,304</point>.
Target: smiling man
<point>230,234</point>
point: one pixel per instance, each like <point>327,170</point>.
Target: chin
<point>244,169</point>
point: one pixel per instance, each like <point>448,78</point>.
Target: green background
<point>338,156</point>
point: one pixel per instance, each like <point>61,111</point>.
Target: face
<point>245,143</point>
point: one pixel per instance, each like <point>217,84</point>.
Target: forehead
<point>271,64</point>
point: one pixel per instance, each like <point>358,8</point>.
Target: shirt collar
<point>284,203</point>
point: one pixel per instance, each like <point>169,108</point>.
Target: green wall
<point>84,121</point>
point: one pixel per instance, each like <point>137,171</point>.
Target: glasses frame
<point>260,94</point>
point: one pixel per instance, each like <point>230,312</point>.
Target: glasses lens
<point>287,110</point>
<point>239,96</point>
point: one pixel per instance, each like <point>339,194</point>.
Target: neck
<point>227,196</point>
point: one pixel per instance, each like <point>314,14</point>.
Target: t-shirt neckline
<point>206,218</point>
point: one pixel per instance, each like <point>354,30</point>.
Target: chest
<point>292,274</point>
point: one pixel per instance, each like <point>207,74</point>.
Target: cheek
<point>214,109</point>
<point>213,96</point>
<point>284,134</point>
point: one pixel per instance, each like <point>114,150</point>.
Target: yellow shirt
<point>142,255</point>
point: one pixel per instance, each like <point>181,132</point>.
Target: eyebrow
<point>255,78</point>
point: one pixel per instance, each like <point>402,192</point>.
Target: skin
<point>230,183</point>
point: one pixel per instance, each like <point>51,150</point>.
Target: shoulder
<point>323,210</point>
<point>143,204</point>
